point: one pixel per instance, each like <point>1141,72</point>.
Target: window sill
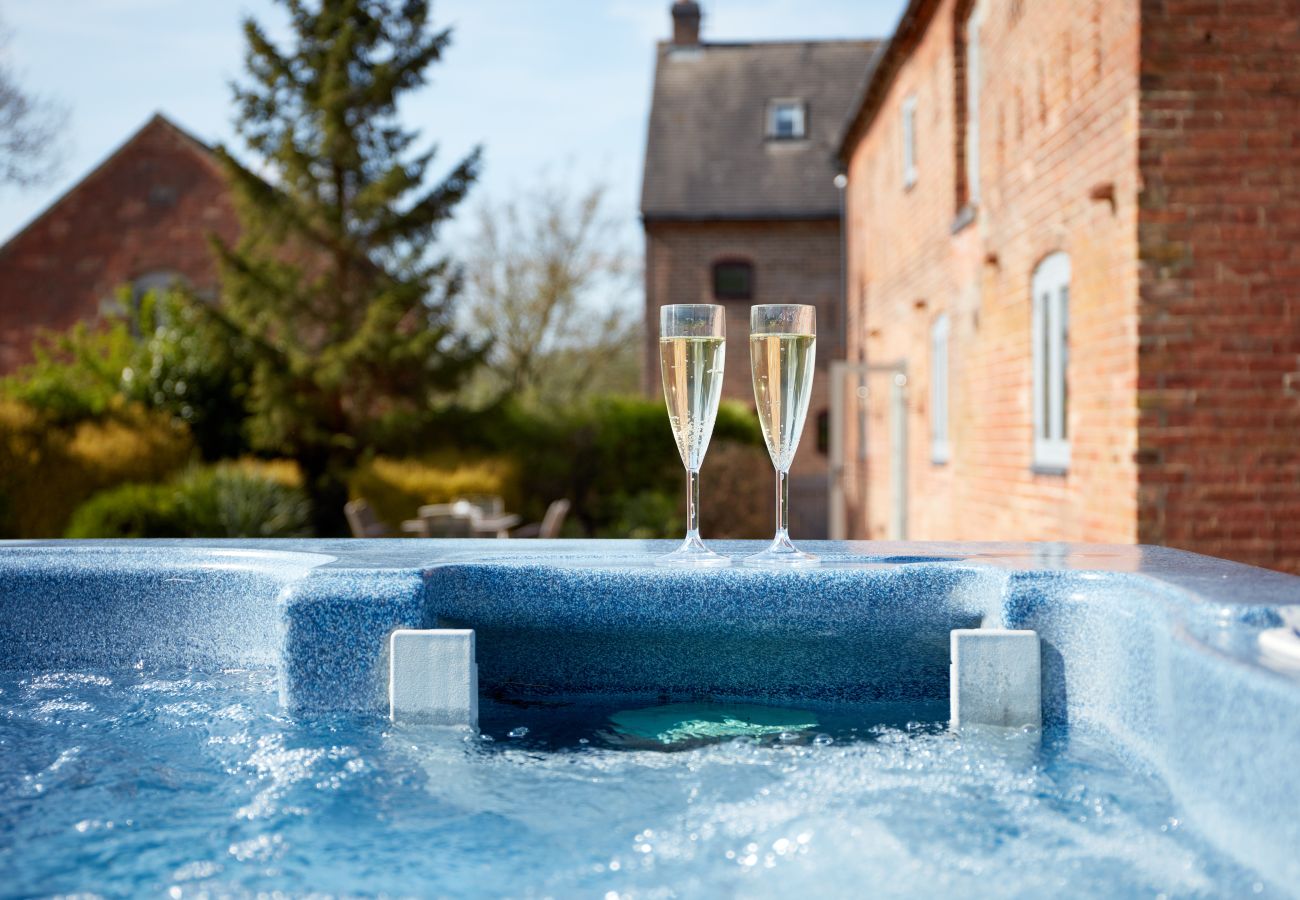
<point>1054,469</point>
<point>965,216</point>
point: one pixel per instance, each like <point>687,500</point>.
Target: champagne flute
<point>692,349</point>
<point>782,349</point>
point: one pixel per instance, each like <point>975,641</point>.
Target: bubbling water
<point>184,783</point>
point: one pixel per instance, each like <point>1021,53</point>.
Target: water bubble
<point>518,732</point>
<point>486,737</point>
<point>583,741</point>
<point>823,739</point>
<point>788,736</point>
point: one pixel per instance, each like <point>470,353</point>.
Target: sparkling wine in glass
<point>782,350</point>
<point>692,350</point>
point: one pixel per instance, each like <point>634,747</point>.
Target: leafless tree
<point>550,283</point>
<point>30,129</point>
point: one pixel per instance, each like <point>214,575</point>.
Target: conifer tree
<point>336,282</point>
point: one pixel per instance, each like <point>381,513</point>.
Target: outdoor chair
<point>363,521</point>
<point>550,525</point>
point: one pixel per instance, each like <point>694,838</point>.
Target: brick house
<point>740,206</point>
<point>141,218</point>
<point>1074,228</point>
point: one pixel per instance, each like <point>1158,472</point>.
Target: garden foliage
<point>49,467</point>
<point>232,499</point>
<point>397,488</point>
<point>164,351</point>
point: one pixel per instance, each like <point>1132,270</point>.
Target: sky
<point>547,87</point>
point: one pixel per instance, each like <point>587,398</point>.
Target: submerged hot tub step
<point>995,678</point>
<point>433,676</point>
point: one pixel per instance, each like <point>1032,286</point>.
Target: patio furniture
<point>489,505</point>
<point>496,526</point>
<point>550,525</point>
<point>442,520</point>
<point>363,521</point>
<point>481,524</point>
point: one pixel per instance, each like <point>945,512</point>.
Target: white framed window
<point>939,384</point>
<point>972,123</point>
<point>1051,362</point>
<point>785,119</point>
<point>909,142</point>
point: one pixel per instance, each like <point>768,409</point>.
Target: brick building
<point>141,218</point>
<point>740,205</point>
<point>1074,231</point>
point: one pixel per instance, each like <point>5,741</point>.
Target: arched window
<point>158,280</point>
<point>733,279</point>
<point>1051,357</point>
<point>120,302</point>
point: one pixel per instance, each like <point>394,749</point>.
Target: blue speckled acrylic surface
<point>1154,647</point>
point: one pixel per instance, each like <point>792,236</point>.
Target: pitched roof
<point>707,154</point>
<point>157,122</point>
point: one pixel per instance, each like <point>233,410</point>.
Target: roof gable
<point>158,123</point>
<point>707,152</point>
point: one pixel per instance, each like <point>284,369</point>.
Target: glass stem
<point>692,504</point>
<point>782,504</point>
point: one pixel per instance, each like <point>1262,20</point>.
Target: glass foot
<point>780,555</point>
<point>692,552</point>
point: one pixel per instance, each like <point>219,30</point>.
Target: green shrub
<point>234,499</point>
<point>166,351</point>
<point>48,469</point>
<point>614,458</point>
<point>648,514</point>
<point>75,375</point>
<point>128,511</point>
<point>228,500</point>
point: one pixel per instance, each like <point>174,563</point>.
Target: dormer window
<point>785,120</point>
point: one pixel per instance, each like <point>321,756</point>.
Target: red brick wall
<point>148,208</point>
<point>1219,225</point>
<point>794,262</point>
<point>1058,118</point>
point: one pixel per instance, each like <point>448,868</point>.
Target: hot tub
<point>210,717</point>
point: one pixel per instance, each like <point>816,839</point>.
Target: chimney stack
<point>686,23</point>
